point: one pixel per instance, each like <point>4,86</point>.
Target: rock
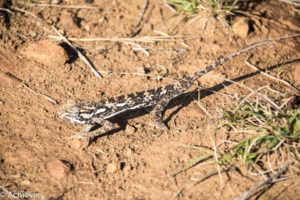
<point>58,168</point>
<point>111,168</point>
<point>68,21</point>
<point>77,144</point>
<point>296,73</point>
<point>130,129</point>
<point>47,53</point>
<point>26,183</point>
<point>128,152</point>
<point>241,27</point>
<point>143,70</point>
<point>55,1</point>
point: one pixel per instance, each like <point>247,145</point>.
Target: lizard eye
<point>74,110</point>
<point>68,110</point>
<point>70,104</point>
<point>71,107</point>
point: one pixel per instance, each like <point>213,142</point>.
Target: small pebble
<point>241,27</point>
<point>130,129</point>
<point>111,168</point>
<point>47,53</point>
<point>26,182</point>
<point>128,152</point>
<point>56,1</point>
<point>68,21</point>
<point>143,70</point>
<point>58,169</point>
<point>77,144</point>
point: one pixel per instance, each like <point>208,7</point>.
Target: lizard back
<point>83,113</point>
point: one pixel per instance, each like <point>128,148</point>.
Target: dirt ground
<point>135,162</point>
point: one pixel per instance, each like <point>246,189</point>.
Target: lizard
<point>96,114</point>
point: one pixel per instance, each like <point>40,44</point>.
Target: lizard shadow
<point>191,96</point>
<point>183,100</point>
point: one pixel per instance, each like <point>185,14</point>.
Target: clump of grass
<point>274,131</point>
<point>269,134</point>
<point>220,7</point>
<point>186,6</point>
<point>295,3</point>
<point>216,7</point>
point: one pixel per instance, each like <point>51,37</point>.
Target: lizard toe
<point>160,125</point>
<point>83,136</point>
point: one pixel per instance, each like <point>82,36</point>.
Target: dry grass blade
<point>216,156</point>
<point>138,47</point>
<point>203,108</point>
<point>273,131</point>
<point>253,91</point>
<point>40,94</point>
<point>195,181</point>
<point>285,37</point>
<point>13,77</point>
<point>61,37</point>
<point>139,22</point>
<point>80,55</point>
<point>145,39</point>
<point>38,19</point>
<point>4,190</point>
<point>292,2</point>
<point>6,10</point>
<point>272,77</point>
<point>269,181</point>
<point>193,163</point>
<point>63,6</point>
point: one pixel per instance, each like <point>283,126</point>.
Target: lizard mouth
<point>62,114</point>
<point>72,117</point>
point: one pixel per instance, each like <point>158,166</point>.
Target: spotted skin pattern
<point>95,114</point>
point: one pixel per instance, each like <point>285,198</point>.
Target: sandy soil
<point>135,162</point>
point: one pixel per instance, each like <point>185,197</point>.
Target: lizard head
<point>77,113</point>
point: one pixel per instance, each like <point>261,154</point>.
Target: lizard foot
<point>159,124</point>
<point>85,136</point>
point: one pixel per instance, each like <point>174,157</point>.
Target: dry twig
<point>145,39</point>
<point>14,78</point>
<point>202,107</point>
<point>253,91</point>
<point>63,6</point>
<point>61,37</point>
<point>199,180</point>
<point>6,10</point>
<point>80,55</point>
<point>4,190</point>
<point>272,77</point>
<point>139,22</point>
<point>267,182</point>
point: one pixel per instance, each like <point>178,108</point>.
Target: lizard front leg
<point>156,114</point>
<point>88,128</point>
<point>89,135</point>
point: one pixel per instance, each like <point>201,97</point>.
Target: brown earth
<point>36,154</point>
